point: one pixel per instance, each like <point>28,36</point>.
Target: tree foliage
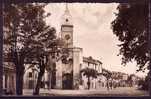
<point>131,28</point>
<point>31,41</point>
<point>89,72</point>
<point>27,37</point>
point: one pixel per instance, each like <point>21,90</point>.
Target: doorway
<point>67,81</point>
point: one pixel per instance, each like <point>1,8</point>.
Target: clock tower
<point>67,73</point>
<point>67,29</point>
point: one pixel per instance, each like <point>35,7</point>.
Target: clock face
<point>67,37</point>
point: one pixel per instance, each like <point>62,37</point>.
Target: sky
<point>92,32</point>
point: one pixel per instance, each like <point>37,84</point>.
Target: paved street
<point>126,91</point>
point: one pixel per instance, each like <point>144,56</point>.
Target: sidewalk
<point>126,91</point>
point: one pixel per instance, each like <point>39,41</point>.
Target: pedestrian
<point>88,83</point>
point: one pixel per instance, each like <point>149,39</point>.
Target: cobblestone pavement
<point>121,91</point>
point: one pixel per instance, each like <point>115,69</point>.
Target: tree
<point>47,48</point>
<point>131,28</point>
<point>89,72</point>
<point>144,83</point>
<point>27,36</point>
<point>47,54</point>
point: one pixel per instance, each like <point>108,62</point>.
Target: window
<point>30,74</point>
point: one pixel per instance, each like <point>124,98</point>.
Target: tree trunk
<point>1,48</point>
<point>40,75</point>
<point>107,84</point>
<point>88,83</point>
<point>19,63</point>
<point>38,85</point>
<point>19,80</point>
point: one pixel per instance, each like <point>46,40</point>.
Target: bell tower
<point>67,37</point>
<point>68,72</point>
<point>67,29</point>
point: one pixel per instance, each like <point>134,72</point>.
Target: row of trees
<point>30,40</point>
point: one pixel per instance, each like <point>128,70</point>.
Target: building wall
<point>9,78</point>
<point>125,77</point>
<point>30,77</point>
<point>76,66</point>
<point>59,75</point>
